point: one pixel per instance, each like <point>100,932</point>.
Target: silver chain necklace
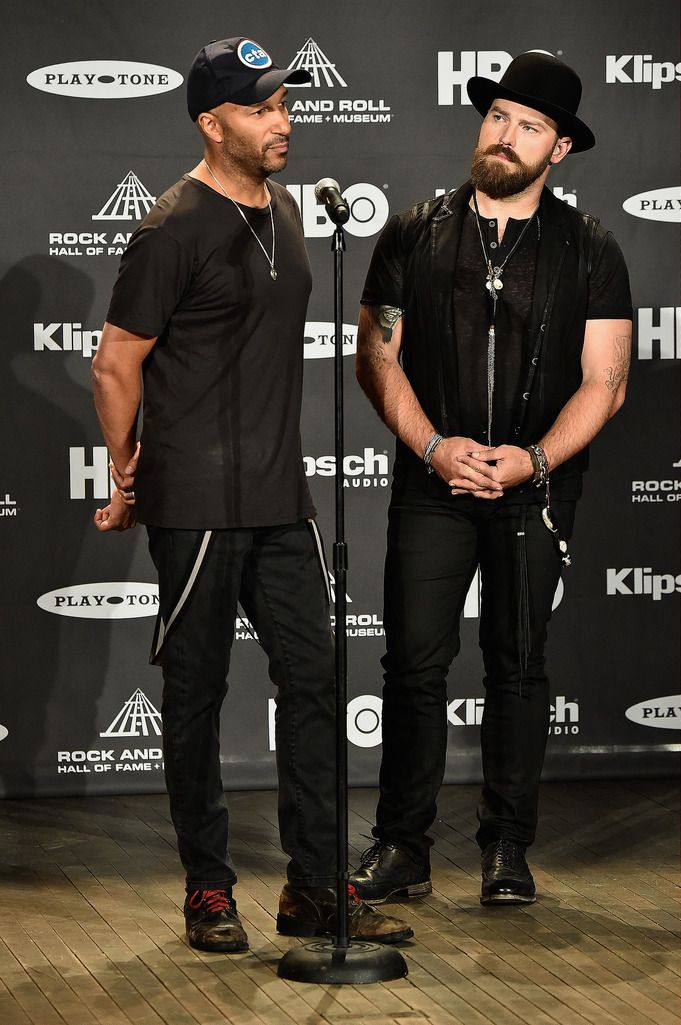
<point>270,259</point>
<point>494,284</point>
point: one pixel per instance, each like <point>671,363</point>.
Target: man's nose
<point>507,136</point>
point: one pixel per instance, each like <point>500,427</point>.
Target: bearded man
<point>494,341</point>
<point>209,309</point>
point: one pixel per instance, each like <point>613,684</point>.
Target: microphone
<point>327,191</point>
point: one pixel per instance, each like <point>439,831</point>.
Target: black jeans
<point>277,575</point>
<point>434,547</point>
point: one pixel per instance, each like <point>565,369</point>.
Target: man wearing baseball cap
<point>209,310</point>
<point>494,341</point>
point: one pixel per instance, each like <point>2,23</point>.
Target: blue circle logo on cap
<point>252,55</point>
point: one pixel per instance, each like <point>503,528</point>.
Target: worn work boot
<point>386,871</point>
<point>311,911</point>
<point>213,923</point>
<point>506,878</point>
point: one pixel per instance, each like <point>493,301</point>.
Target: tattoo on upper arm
<point>386,317</point>
<point>617,374</point>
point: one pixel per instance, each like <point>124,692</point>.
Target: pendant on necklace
<point>273,274</point>
<point>494,282</point>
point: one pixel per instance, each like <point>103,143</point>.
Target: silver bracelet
<point>429,450</point>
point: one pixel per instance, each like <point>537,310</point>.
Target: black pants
<point>434,547</point>
<point>277,575</point>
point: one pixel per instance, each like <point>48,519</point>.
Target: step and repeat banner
<point>96,128</point>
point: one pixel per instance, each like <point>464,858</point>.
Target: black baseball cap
<point>236,70</point>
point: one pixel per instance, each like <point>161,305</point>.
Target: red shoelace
<point>212,900</point>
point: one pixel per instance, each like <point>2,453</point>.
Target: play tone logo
<point>104,79</point>
<point>105,600</point>
<point>320,340</point>
<point>661,713</point>
<point>329,110</point>
<point>656,205</point>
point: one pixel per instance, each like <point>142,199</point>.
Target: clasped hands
<point>119,513</point>
<point>480,470</point>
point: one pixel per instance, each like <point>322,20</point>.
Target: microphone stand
<point>341,960</point>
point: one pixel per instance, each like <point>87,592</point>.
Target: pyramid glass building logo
<point>137,718</point>
<point>311,58</point>
<point>129,201</point>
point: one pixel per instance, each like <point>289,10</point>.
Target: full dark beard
<point>497,180</point>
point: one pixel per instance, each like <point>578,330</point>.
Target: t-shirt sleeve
<point>153,276</point>
<point>609,291</point>
<point>384,285</point>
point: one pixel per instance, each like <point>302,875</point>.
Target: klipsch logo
<point>564,717</point>
<point>662,713</point>
<point>57,337</point>
<point>104,79</point>
<point>371,469</point>
<point>642,581</point>
<point>642,69</point>
<point>320,340</point>
<point>105,600</point>
<point>656,205</point>
<point>321,110</point>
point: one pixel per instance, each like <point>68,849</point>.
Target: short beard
<point>496,180</point>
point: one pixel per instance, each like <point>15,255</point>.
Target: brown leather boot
<point>213,923</point>
<point>311,911</point>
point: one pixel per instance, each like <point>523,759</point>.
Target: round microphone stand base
<point>327,964</point>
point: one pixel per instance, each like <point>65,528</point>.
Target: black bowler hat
<point>237,70</point>
<point>544,83</point>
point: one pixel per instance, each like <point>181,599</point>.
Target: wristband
<point>430,449</point>
<point>540,465</point>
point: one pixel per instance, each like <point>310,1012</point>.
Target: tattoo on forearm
<point>386,317</point>
<point>617,374</point>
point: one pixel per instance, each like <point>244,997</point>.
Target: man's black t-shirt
<point>389,282</point>
<point>609,299</point>
<point>223,383</point>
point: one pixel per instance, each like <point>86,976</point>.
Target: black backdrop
<point>91,136</point>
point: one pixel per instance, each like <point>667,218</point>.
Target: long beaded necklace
<point>270,259</point>
<point>494,285</point>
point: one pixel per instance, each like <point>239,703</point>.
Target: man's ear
<point>561,149</point>
<point>210,127</point>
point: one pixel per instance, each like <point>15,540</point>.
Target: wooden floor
<point>91,931</point>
